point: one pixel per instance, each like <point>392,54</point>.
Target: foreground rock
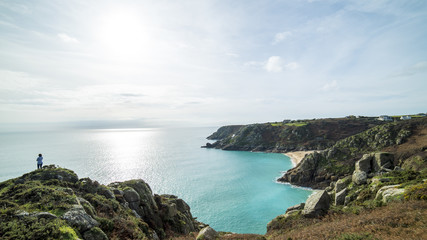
<point>70,207</point>
<point>207,233</point>
<point>317,204</point>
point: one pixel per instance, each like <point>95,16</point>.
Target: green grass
<point>297,124</point>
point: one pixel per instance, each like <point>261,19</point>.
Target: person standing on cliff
<point>39,161</point>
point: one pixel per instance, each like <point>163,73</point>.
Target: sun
<point>121,32</point>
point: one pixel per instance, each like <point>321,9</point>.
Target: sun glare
<point>122,33</point>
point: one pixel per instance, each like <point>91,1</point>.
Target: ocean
<point>231,191</point>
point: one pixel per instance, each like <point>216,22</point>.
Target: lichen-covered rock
<point>131,195</point>
<point>390,193</point>
<point>317,204</point>
<point>78,218</point>
<point>175,213</point>
<point>359,177</point>
<point>207,233</point>
<point>342,183</point>
<point>125,210</point>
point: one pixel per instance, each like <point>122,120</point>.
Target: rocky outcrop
<point>224,132</point>
<point>319,169</point>
<point>372,163</point>
<point>124,210</point>
<point>317,204</point>
<point>78,218</point>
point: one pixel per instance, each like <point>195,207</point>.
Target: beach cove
<point>297,156</point>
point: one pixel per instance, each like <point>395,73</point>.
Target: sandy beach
<point>297,156</point>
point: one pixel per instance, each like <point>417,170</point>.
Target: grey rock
<point>390,193</point>
<point>342,183</point>
<point>317,204</point>
<point>131,195</point>
<point>383,160</point>
<point>207,233</point>
<point>340,197</point>
<point>365,163</point>
<point>78,218</point>
<point>359,177</point>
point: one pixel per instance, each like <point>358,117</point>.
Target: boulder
<point>359,177</point>
<point>342,183</point>
<point>340,197</point>
<point>78,218</point>
<point>365,163</point>
<point>317,204</point>
<point>131,195</point>
<point>389,193</point>
<point>383,160</point>
<point>207,233</point>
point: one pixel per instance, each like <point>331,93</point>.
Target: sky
<point>154,63</point>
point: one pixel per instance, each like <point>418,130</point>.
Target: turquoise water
<point>232,191</point>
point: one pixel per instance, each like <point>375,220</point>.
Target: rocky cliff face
<point>284,137</point>
<point>317,170</point>
<point>53,203</point>
<point>384,198</point>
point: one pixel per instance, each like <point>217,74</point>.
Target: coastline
<point>297,156</point>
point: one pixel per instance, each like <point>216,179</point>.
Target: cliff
<point>406,139</point>
<point>53,203</point>
<point>293,136</point>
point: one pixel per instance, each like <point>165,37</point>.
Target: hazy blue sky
<point>210,62</point>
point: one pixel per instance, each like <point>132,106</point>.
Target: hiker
<point>39,161</point>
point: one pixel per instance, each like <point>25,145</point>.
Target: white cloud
<point>331,86</point>
<point>67,39</point>
<point>281,36</point>
<point>274,64</point>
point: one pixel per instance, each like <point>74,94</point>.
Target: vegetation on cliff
<point>53,203</point>
<point>315,134</point>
